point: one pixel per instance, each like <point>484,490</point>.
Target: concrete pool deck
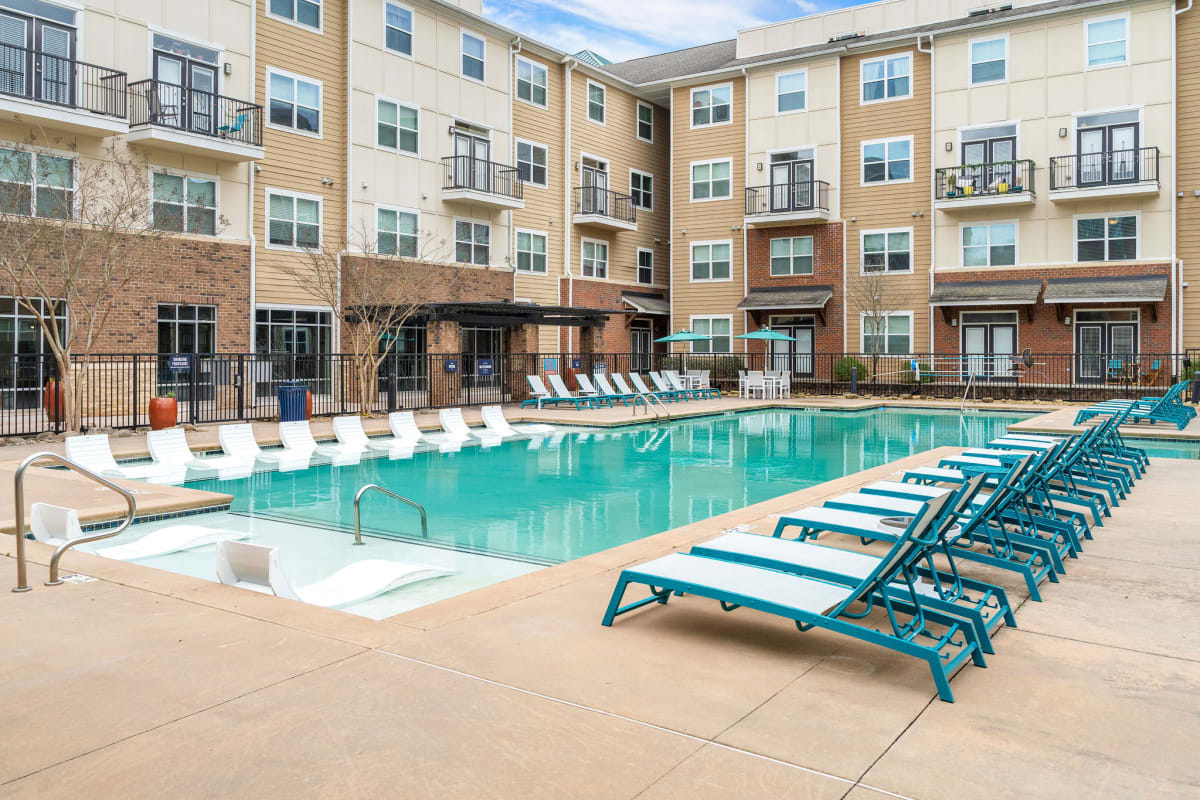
<point>146,683</point>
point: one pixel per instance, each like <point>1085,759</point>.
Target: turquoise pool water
<point>1159,448</point>
<point>559,498</point>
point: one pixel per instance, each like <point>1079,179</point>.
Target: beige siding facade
<point>1187,75</point>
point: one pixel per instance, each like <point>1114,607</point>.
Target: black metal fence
<point>604,203</point>
<point>168,105</point>
<point>984,180</point>
<point>1108,168</point>
<point>479,175</point>
<point>48,78</point>
<point>115,390</point>
<point>785,198</point>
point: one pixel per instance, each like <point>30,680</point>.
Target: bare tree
<point>373,293</point>
<point>875,298</point>
<point>75,233</point>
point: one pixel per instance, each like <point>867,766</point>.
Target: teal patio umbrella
<point>684,336</point>
<point>766,333</point>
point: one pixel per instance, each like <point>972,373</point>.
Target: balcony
<point>174,117</point>
<point>1113,173</point>
<point>787,203</point>
<point>473,180</point>
<point>603,208</point>
<point>61,93</point>
<point>1001,183</point>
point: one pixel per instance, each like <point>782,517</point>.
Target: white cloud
<point>807,6</point>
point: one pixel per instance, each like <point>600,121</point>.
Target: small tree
<point>75,232</point>
<point>373,294</point>
<point>876,299</point>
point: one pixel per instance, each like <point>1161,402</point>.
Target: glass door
<point>1091,157</point>
<point>166,101</point>
<point>202,98</point>
<point>472,154</point>
<point>1122,145</point>
<point>986,162</point>
<point>595,186</point>
<point>796,356</point>
<point>1102,337</point>
<point>1108,154</point>
<point>975,347</point>
<point>989,341</point>
<point>791,185</point>
<point>55,46</point>
<point>640,347</point>
<point>14,59</point>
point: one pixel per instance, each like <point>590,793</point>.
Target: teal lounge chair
<point>661,384</point>
<point>239,123</point>
<point>563,395</point>
<point>813,603</point>
<point>639,385</point>
<point>606,390</point>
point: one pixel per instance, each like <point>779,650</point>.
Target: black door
<point>987,163</point>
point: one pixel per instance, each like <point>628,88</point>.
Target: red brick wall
<point>614,336</point>
<point>451,284</point>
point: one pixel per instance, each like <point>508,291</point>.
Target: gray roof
<point>647,303</point>
<point>787,297</point>
<point>702,58</point>
<point>1129,288</point>
<point>970,293</point>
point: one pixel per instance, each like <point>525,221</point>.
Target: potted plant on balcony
<point>164,411</point>
<point>951,185</point>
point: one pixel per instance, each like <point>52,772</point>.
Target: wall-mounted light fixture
<point>1066,320</point>
<point>954,323</point>
<point>364,184</point>
<point>228,68</point>
<point>949,146</point>
<point>1062,133</point>
<point>759,166</point>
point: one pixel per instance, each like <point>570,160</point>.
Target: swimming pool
<point>495,512</point>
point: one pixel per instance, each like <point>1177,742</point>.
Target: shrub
<point>842,367</point>
<point>720,367</point>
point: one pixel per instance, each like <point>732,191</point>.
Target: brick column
<point>443,340</point>
<point>521,346</point>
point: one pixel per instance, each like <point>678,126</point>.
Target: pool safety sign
<point>576,363</point>
<point>550,366</point>
<point>181,363</point>
<point>484,366</point>
<point>451,365</point>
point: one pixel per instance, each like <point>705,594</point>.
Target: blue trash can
<point>293,397</point>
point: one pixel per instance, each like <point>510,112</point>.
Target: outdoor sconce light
<point>1066,320</point>
<point>759,166</point>
<point>364,184</point>
<point>949,146</point>
<point>1062,133</point>
<point>953,323</point>
<point>228,69</point>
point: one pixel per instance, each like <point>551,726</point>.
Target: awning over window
<point>647,303</point>
<point>785,297</point>
<point>1125,289</point>
<point>986,293</point>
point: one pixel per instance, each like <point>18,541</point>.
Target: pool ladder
<point>376,487</point>
<point>19,506</point>
<point>648,400</point>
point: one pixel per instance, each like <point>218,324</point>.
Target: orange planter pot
<point>308,404</point>
<point>164,411</point>
<point>53,401</point>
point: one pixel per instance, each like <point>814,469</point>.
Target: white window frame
<point>971,63</point>
<point>412,35</point>
<point>533,66</point>
<point>267,192</point>
<point>692,186</point>
<point>587,98</point>
<point>653,187</point>
<point>185,174</point>
<point>1087,66</point>
<point>283,73</point>
<point>862,329</point>
<point>862,65</point>
<point>862,251</point>
<point>462,53</point>
<point>692,108</point>
<point>516,161</point>
<point>710,317</point>
<point>397,149</point>
<point>962,227</point>
<point>545,254</point>
<point>1105,215</point>
<point>792,238</point>
<point>692,260</point>
<point>584,240</point>
<point>637,275</point>
<point>297,23</point>
<point>53,153</point>
<point>473,222</point>
<point>787,74</point>
<point>399,210</point>
<point>862,161</point>
<point>637,122</point>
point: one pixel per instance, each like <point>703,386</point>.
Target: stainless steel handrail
<point>19,499</point>
<point>394,496</point>
<point>646,398</point>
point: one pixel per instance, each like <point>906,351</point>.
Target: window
<point>397,28</point>
<point>396,231</point>
<point>887,78</point>
<point>641,187</point>
<point>293,220</point>
<point>989,245</point>
<point>184,204</point>
<point>792,256</point>
<point>596,96</point>
<point>303,12</point>
<point>293,330</point>
<point>595,258</point>
<point>295,102</point>
<point>645,265</point>
<point>711,180</point>
<point>887,251</point>
<point>1107,41</point>
<point>531,162</point>
<point>790,91</point>
<point>1106,238</point>
<point>36,184</point>
<point>645,122</point>
<point>473,49</point>
<point>721,331</point>
<point>989,60</point>
<point>712,105</point>
<point>531,82</point>
<point>531,252</point>
<point>887,161</point>
<point>710,261</point>
<point>187,329</point>
<point>397,126</point>
<point>887,333</point>
<point>472,242</point>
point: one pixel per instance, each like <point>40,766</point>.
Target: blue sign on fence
<point>484,366</point>
<point>179,363</point>
<point>576,363</point>
<point>451,365</point>
<point>600,368</point>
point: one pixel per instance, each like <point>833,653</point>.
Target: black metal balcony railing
<point>465,172</point>
<point>61,81</point>
<point>167,105</point>
<point>986,180</point>
<point>604,202</point>
<point>1110,168</point>
<point>787,198</point>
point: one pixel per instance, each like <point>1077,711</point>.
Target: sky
<point>624,29</point>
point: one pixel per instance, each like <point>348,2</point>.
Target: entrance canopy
<point>643,303</point>
<point>783,298</point>
<point>1125,289</point>
<point>986,293</point>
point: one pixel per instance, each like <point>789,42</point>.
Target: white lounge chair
<point>456,428</point>
<point>563,395</point>
<point>170,448</point>
<point>297,439</point>
<point>493,419</point>
<point>404,427</point>
<point>350,434</point>
<point>586,387</point>
<point>92,452</point>
<point>56,525</point>
<point>258,568</point>
<point>538,393</point>
<point>238,441</point>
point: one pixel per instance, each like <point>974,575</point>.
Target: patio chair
<point>640,387</point>
<point>170,448</point>
<point>756,383</point>
<point>586,387</point>
<point>298,442</point>
<point>663,386</point>
<point>1115,374</point>
<point>92,452</point>
<point>259,568</point>
<point>563,395</point>
<point>538,391</point>
<point>57,525</point>
<point>607,392</point>
<point>678,385</point>
<point>813,603</point>
<point>239,123</point>
<point>496,424</point>
<point>1150,377</point>
<point>456,427</point>
<point>350,434</point>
